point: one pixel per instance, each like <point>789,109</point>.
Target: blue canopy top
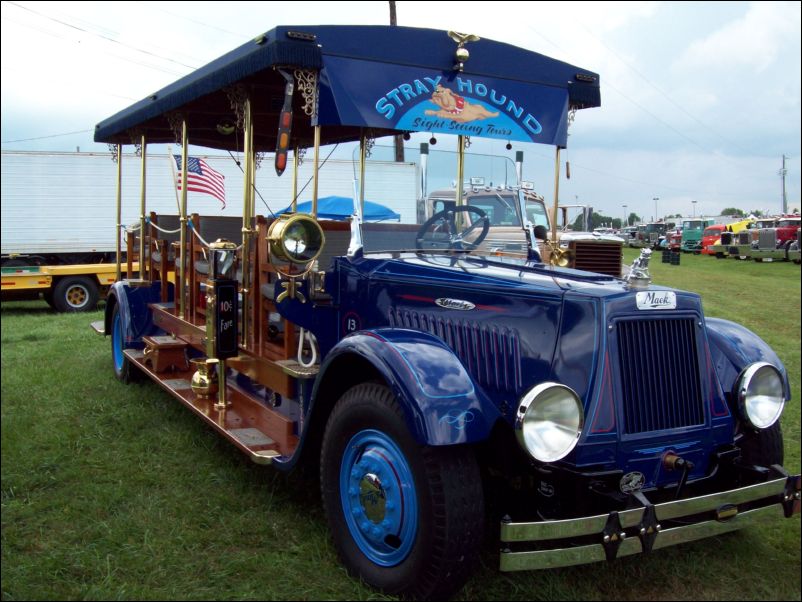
<point>384,78</point>
<point>340,208</point>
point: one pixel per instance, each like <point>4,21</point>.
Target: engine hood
<point>508,274</point>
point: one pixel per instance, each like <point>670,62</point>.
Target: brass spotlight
<point>296,238</point>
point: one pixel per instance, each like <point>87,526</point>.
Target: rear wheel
<point>75,293</point>
<point>124,368</point>
<point>405,518</point>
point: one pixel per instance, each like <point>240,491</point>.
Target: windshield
<point>429,216</point>
<point>786,223</point>
<point>695,225</point>
<point>712,232</point>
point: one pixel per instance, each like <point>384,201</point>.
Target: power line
<point>640,106</point>
<point>117,56</point>
<point>102,36</point>
<point>180,16</point>
<point>45,137</point>
<point>661,91</point>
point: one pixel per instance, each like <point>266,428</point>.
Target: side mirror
<point>541,233</point>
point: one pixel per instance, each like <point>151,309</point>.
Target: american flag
<point>202,178</point>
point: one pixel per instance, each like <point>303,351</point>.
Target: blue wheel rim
<point>117,342</point>
<point>377,491</point>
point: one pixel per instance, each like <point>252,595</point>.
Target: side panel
<point>441,403</point>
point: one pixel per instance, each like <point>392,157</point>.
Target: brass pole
<point>315,168</point>
<point>246,218</point>
<point>182,254</point>
<point>142,231</point>
<point>363,152</point>
<point>556,195</point>
<point>460,168</point>
<point>119,208</point>
<point>460,175</point>
<point>295,181</point>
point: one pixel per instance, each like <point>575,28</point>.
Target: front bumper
<point>557,543</point>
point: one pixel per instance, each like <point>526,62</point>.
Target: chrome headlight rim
<point>745,401</point>
<point>526,419</point>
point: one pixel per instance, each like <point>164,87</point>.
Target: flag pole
<point>175,177</point>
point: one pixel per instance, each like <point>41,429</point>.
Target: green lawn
<point>118,492</point>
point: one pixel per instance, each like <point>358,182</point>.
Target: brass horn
<point>557,256</point>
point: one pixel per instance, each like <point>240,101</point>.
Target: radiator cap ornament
<point>639,276</point>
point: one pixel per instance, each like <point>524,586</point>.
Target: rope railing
<point>200,238</point>
<point>162,230</point>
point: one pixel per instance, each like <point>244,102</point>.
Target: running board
<point>246,421</point>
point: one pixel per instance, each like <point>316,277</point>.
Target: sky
<point>700,100</point>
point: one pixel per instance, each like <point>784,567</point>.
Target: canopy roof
<point>378,77</point>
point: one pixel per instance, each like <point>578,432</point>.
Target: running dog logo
<point>456,108</point>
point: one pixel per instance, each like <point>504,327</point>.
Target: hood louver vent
<point>491,355</point>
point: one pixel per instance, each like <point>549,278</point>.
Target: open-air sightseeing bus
<point>423,370</point>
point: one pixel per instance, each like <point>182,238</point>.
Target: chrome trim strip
<point>704,503</point>
<point>573,527</point>
<point>670,537</point>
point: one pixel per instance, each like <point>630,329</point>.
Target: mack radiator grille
<point>490,354</point>
<point>659,375</point>
<point>601,257</point>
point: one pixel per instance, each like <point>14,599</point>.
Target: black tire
<point>430,559</point>
<point>762,448</point>
<point>75,293</point>
<point>125,370</point>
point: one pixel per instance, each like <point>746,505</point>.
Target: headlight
<point>549,421</point>
<point>760,395</point>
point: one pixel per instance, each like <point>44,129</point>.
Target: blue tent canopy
<point>341,207</point>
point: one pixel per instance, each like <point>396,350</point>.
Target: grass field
<point>117,492</point>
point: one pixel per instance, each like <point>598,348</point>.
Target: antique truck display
<point>648,235</point>
<point>418,372</point>
<point>692,230</point>
<point>778,242</point>
<point>718,238</point>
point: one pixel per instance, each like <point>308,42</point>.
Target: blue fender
<point>137,320</point>
<point>441,404</point>
<point>734,347</point>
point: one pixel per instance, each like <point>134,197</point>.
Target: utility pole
<point>783,173</point>
<point>399,139</point>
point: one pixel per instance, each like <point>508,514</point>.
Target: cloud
<point>754,41</point>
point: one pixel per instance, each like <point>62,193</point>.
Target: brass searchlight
<point>296,238</point>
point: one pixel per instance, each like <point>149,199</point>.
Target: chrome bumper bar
<point>641,530</point>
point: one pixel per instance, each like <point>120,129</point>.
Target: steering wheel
<point>441,232</point>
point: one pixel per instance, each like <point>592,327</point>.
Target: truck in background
<point>58,219</point>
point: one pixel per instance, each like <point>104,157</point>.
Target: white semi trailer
<point>57,209</point>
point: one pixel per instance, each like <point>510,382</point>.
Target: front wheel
<point>405,518</point>
<point>124,368</point>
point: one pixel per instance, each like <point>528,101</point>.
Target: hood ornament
<point>639,276</point>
